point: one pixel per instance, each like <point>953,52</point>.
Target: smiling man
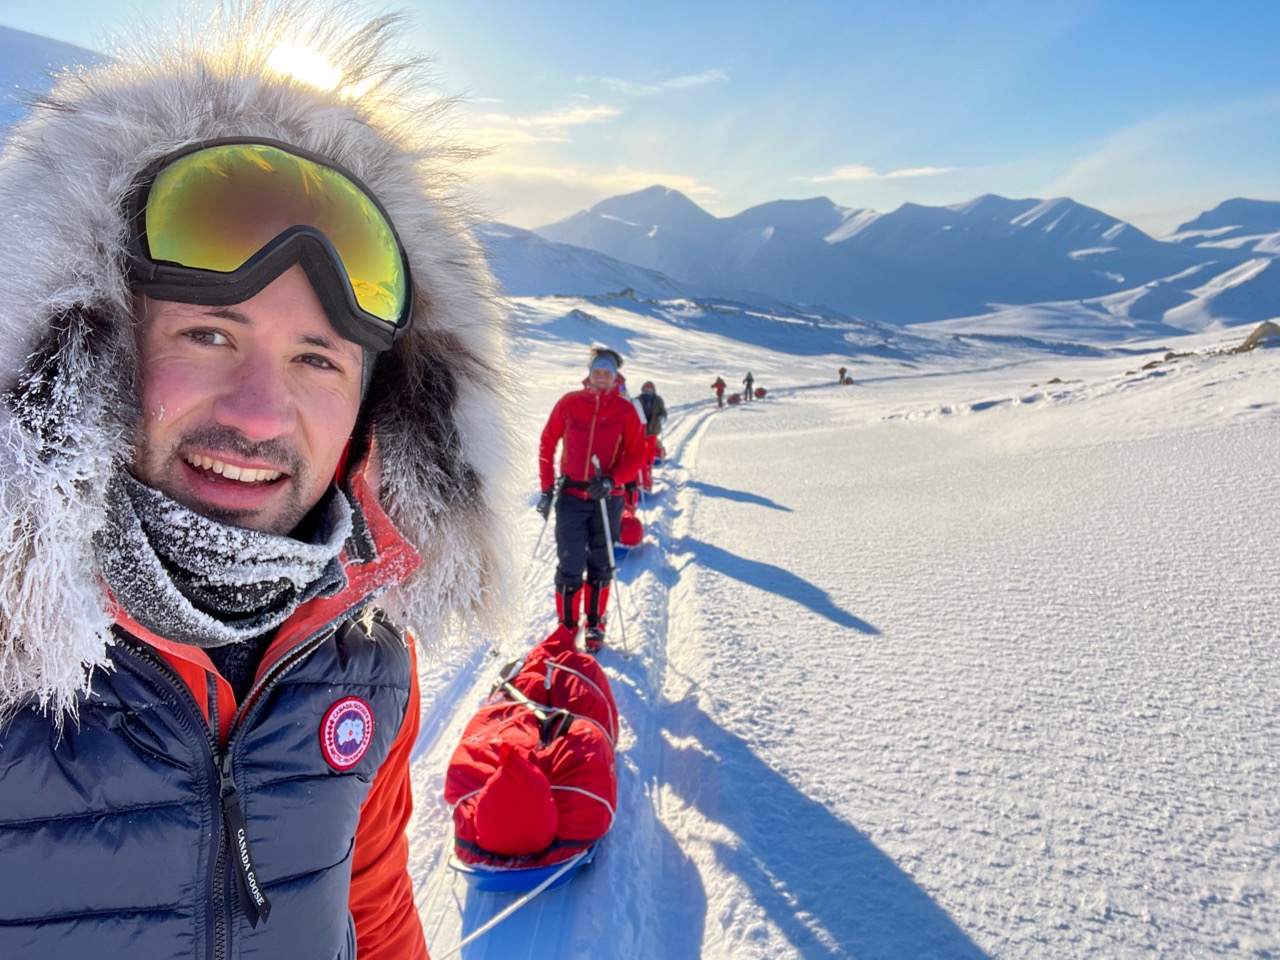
<point>246,409</point>
<point>252,430</point>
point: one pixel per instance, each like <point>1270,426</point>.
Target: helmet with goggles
<point>215,223</point>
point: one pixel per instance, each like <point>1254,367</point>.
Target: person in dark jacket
<point>655,410</point>
<point>655,413</point>
<point>748,383</point>
<point>252,431</point>
<point>602,445</point>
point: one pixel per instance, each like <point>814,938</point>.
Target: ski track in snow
<point>943,665</point>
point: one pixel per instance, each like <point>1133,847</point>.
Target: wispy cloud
<point>857,172</point>
<point>1166,168</point>
<point>551,126</point>
<point>632,88</point>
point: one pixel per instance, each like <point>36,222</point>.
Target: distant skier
<point>748,381</point>
<point>596,423</point>
<point>719,387</point>
<point>843,371</point>
<point>655,412</point>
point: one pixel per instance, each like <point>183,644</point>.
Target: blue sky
<point>1152,110</point>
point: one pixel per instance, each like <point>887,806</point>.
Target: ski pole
<point>555,491</point>
<point>613,564</point>
<point>537,543</point>
<point>480,931</point>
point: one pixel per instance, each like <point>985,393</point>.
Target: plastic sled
<point>517,879</point>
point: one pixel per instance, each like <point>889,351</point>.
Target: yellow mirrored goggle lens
<point>215,208</point>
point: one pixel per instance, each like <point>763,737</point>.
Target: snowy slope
<point>973,658</point>
<point>26,62</point>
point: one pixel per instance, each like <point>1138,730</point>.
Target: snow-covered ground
<point>974,658</point>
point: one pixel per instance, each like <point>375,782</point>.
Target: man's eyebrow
<point>323,341</point>
<point>235,316</point>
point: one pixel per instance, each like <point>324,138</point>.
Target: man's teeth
<point>230,471</point>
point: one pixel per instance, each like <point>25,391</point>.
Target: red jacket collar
<point>396,560</point>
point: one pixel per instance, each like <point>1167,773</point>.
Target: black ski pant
<point>580,540</point>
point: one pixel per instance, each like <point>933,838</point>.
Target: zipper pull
<point>252,900</point>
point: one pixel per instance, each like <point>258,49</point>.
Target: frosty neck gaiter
<point>195,580</point>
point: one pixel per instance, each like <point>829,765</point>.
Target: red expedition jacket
<point>592,423</point>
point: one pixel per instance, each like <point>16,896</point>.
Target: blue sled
<point>620,553</point>
<point>516,879</point>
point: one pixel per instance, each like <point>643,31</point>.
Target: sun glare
<point>305,65</point>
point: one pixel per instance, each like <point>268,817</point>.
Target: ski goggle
<point>215,224</point>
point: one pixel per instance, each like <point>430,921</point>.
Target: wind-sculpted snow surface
<point>973,658</point>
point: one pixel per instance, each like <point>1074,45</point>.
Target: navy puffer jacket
<point>114,838</point>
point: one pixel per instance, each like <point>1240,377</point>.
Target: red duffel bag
<point>555,674</point>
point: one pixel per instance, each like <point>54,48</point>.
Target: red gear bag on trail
<point>533,781</point>
<point>631,530</point>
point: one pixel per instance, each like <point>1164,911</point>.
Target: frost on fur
<point>67,358</point>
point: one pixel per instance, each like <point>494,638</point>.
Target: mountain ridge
<point>918,263</point>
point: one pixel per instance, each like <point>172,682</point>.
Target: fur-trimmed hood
<point>68,369</point>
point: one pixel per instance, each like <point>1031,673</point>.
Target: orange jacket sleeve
<point>551,435</point>
<point>386,918</point>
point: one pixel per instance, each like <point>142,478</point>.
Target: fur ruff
<point>68,366</point>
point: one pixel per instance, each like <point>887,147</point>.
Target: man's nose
<point>257,401</point>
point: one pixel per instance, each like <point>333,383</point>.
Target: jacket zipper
<point>230,815</point>
<point>253,901</point>
<point>591,438</point>
<point>218,948</point>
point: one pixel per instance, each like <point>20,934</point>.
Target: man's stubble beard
<point>288,512</point>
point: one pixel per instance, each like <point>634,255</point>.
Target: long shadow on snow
<point>830,890</point>
<point>738,496</point>
<point>771,579</point>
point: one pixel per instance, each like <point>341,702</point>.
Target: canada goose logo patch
<point>346,732</point>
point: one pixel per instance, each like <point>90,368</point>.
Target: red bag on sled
<point>555,674</point>
<point>631,530</point>
<point>533,781</point>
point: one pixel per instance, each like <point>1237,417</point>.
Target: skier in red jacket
<point>603,448</point>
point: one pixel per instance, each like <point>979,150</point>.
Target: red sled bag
<point>529,788</point>
<point>555,674</point>
<point>631,530</point>
<point>734,398</point>
<point>533,781</point>
<point>760,391</point>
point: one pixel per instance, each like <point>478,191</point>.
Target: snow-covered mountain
<point>920,263</point>
<point>1236,225</point>
<point>534,267</point>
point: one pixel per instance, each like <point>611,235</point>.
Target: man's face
<point>246,409</point>
<point>601,378</point>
